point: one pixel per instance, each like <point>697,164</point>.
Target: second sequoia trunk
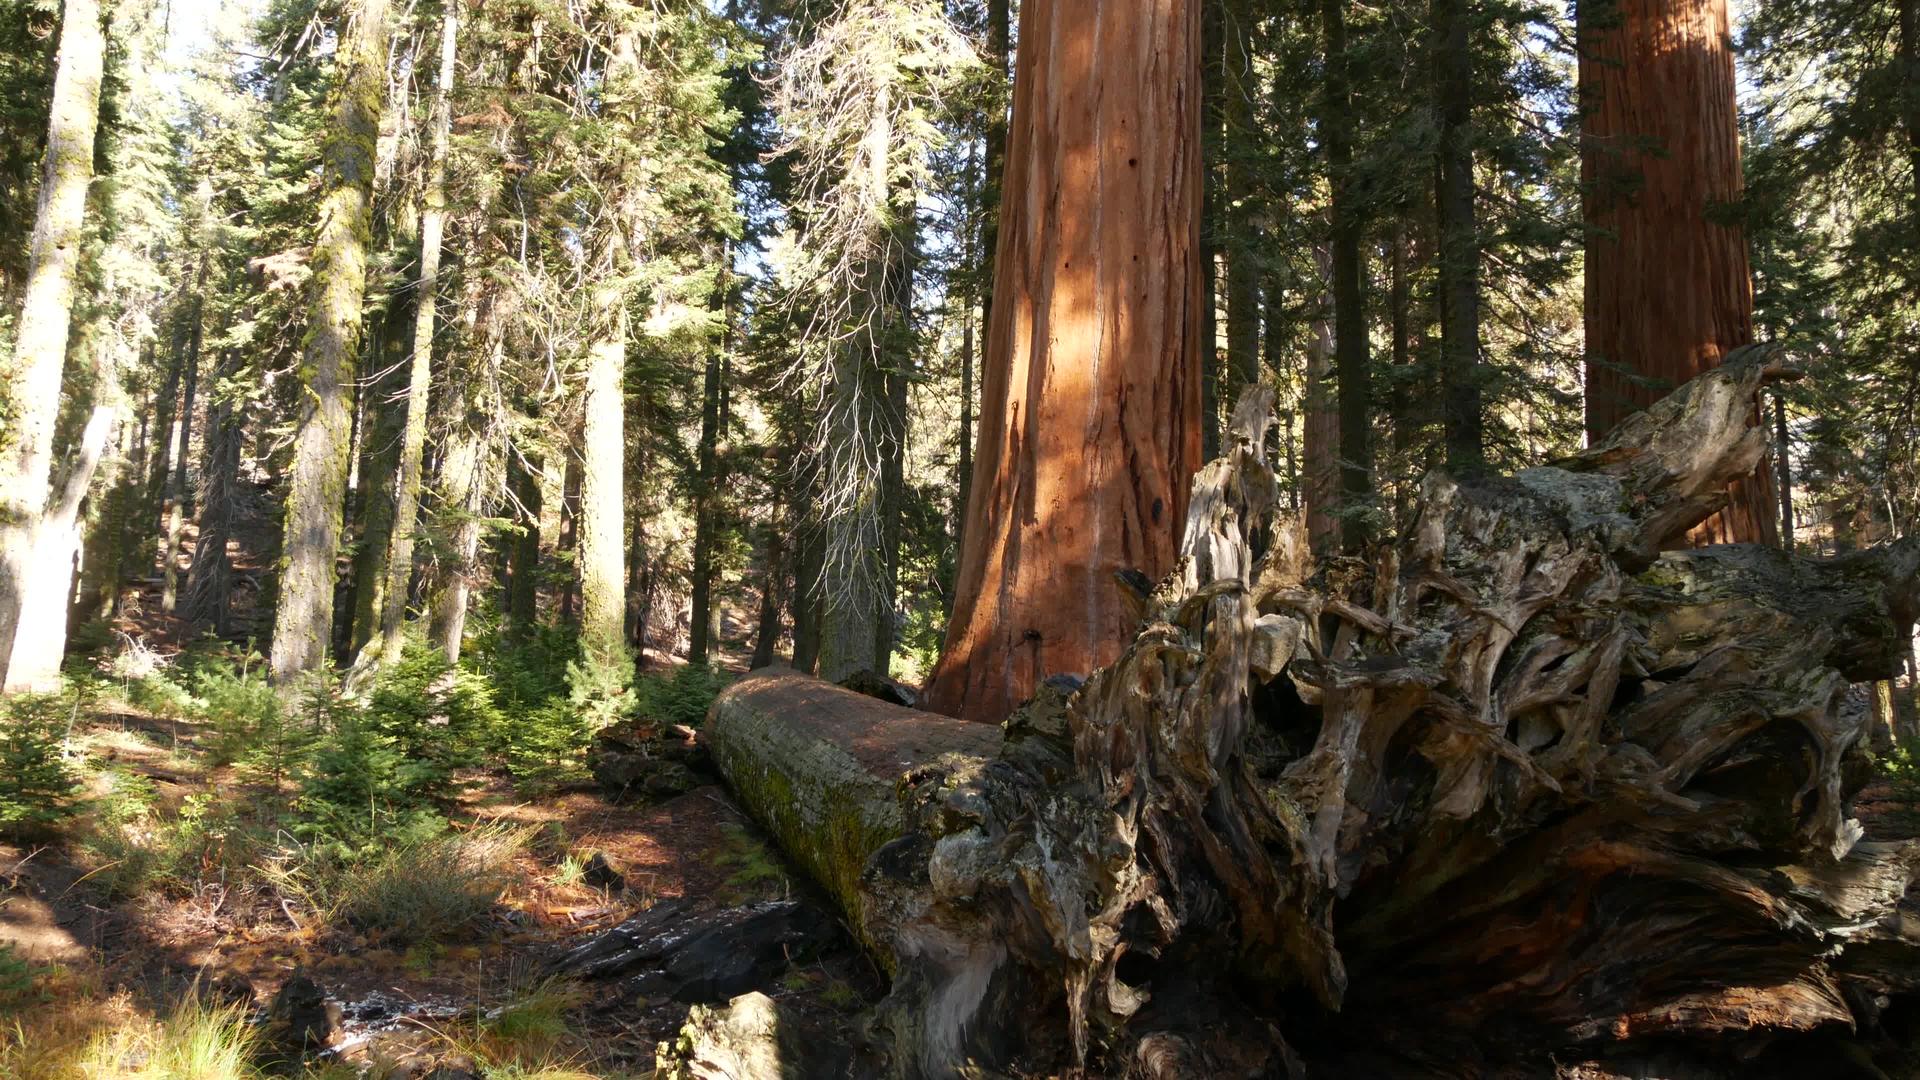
<point>1090,404</point>
<point>1668,288</point>
<point>1522,791</point>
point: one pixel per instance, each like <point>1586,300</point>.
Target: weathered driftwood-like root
<point>1520,784</point>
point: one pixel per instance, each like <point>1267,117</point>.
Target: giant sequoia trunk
<point>1519,792</point>
<point>317,476</point>
<point>1668,287</point>
<point>1090,403</point>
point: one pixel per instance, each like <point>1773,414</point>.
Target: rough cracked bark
<point>1090,399</point>
<point>433,223</point>
<point>1668,287</point>
<point>30,383</point>
<point>317,475</point>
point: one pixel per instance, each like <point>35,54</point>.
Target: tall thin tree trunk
<point>177,507</point>
<point>433,221</point>
<point>707,481</point>
<point>994,148</point>
<point>1783,464</point>
<point>1352,374</point>
<point>523,554</point>
<point>1459,264</point>
<point>602,516</point>
<point>34,663</point>
<point>1091,403</point>
<point>210,575</point>
<point>379,468</point>
<point>459,490</point>
<point>303,621</point>
<point>1668,287</point>
<point>809,558</point>
<point>570,536</point>
<point>1241,243</point>
<point>767,637</point>
<point>30,381</point>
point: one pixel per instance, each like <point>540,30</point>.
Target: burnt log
<point>1522,787</point>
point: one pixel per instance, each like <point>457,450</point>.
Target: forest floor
<point>408,1006</point>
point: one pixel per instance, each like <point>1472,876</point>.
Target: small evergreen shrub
<point>681,697</point>
<point>38,789</point>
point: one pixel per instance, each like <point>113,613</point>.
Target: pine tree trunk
<point>460,490</point>
<point>1668,288</point>
<point>602,515</point>
<point>706,492</point>
<point>767,638</point>
<point>570,536</point>
<point>210,574</point>
<point>30,381</point>
<point>379,469</point>
<point>994,149</point>
<point>1352,366</point>
<point>1459,263</point>
<point>1091,397</point>
<point>33,665</point>
<point>406,509</point>
<point>1242,242</point>
<point>1783,458</point>
<point>809,560</point>
<point>1320,435</point>
<point>177,507</point>
<point>303,621</point>
<point>523,556</point>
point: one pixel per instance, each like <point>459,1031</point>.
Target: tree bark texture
<point>33,665</point>
<point>523,558</point>
<point>1091,394</point>
<point>461,468</point>
<point>433,223</point>
<point>602,516</point>
<point>1668,287</point>
<point>1459,264</point>
<point>1351,364</point>
<point>180,446</point>
<point>317,480</point>
<point>30,382</point>
<point>1522,792</point>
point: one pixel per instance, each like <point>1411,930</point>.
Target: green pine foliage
<point>38,785</point>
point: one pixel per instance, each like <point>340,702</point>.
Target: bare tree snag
<point>1522,788</point>
<point>1668,287</point>
<point>1090,399</point>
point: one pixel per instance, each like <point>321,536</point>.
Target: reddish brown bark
<point>1090,403</point>
<point>1668,289</point>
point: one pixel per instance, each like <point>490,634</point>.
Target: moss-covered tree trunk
<point>433,222</point>
<point>30,379</point>
<point>317,476</point>
<point>33,664</point>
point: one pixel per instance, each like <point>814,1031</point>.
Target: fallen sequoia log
<point>1524,793</point>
